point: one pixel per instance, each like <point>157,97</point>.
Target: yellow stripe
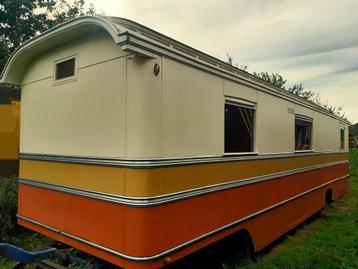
<point>163,180</point>
<point>90,177</point>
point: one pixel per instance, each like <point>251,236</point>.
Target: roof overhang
<point>19,60</point>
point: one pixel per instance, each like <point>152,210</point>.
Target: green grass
<point>330,241</point>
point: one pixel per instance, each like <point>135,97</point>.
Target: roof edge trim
<point>26,46</point>
<point>133,43</point>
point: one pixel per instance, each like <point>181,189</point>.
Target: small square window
<point>65,69</point>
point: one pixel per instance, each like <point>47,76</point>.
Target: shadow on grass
<point>235,249</point>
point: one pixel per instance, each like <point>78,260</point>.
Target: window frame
<point>65,79</point>
<point>245,104</point>
<point>306,119</point>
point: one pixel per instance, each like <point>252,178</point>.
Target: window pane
<point>239,123</point>
<point>303,134</point>
<point>65,69</point>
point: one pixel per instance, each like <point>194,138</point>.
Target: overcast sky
<point>314,42</point>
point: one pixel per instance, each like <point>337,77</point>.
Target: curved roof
<point>18,61</point>
<point>136,38</point>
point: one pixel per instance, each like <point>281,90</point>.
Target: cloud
<point>313,42</point>
<point>349,69</point>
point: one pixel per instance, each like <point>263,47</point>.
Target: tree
<point>22,19</point>
<point>299,90</point>
<point>272,78</point>
<point>230,60</point>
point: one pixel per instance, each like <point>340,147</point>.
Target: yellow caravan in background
<point>9,130</point>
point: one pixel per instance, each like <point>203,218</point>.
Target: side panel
<point>325,133</point>
<point>94,48</point>
<point>85,116</point>
<point>240,91</point>
<point>300,110</point>
<point>144,104</point>
<point>274,125</point>
<point>193,111</point>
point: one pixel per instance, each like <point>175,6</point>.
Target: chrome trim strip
<point>190,242</point>
<point>111,251</point>
<point>38,223</point>
<point>166,198</point>
<point>163,162</point>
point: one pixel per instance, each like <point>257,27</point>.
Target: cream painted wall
<point>117,107</point>
<point>193,116</point>
<point>193,112</point>
<point>274,125</point>
<point>91,49</point>
<point>82,117</point>
<point>144,93</point>
<point>325,132</point>
<point>240,91</point>
<point>301,110</point>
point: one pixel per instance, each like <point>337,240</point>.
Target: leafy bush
<point>8,206</point>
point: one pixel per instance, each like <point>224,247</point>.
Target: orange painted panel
<point>186,219</point>
<point>86,218</point>
<point>149,231</point>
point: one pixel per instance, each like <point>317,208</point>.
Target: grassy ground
<point>328,240</point>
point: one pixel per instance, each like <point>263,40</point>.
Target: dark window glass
<point>303,134</point>
<point>65,69</point>
<point>239,128</point>
<point>342,137</point>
